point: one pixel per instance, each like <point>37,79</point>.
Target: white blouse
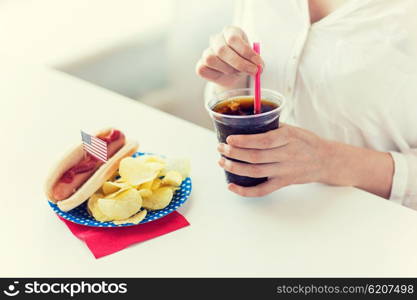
<point>350,77</point>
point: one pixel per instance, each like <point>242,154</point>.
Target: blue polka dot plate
<point>81,216</point>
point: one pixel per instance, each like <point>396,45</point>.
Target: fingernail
<point>229,139</point>
<point>220,147</point>
<point>221,161</point>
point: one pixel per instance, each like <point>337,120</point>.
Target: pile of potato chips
<point>142,183</point>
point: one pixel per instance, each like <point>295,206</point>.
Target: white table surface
<point>309,230</point>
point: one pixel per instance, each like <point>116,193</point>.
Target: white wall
<point>158,68</point>
<point>194,22</point>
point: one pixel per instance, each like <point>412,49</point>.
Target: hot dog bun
<point>103,173</point>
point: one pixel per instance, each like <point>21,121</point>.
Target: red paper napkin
<point>104,241</point>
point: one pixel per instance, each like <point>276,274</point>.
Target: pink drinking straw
<point>257,99</point>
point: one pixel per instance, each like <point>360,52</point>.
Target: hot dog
<point>74,177</point>
<point>79,174</point>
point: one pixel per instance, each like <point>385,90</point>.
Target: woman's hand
<point>291,155</point>
<point>287,155</point>
<point>229,59</point>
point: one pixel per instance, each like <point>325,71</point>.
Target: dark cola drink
<point>234,114</point>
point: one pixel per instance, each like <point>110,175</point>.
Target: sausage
<point>77,175</point>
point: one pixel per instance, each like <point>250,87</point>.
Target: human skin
<point>287,155</point>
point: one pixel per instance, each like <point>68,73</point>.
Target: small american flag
<point>95,146</point>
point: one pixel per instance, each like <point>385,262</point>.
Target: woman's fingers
<point>207,72</point>
<point>254,156</point>
<point>229,58</point>
<point>210,60</point>
<point>259,190</point>
<point>224,52</point>
<point>271,139</point>
<point>237,40</point>
<point>251,170</point>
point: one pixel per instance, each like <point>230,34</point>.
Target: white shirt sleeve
<point>404,184</point>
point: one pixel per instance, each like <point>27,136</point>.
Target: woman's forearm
<point>363,168</point>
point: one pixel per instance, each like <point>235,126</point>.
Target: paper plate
<point>80,215</point>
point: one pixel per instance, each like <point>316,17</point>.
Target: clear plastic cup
<point>244,124</point>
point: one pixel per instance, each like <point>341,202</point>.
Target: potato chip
<point>122,206</point>
<point>93,210</point>
<point>138,183</point>
<point>159,199</point>
<point>135,219</point>
<point>111,187</point>
<point>135,171</point>
<point>155,165</point>
<point>156,184</point>
<point>181,165</point>
<point>152,159</point>
<point>145,192</point>
<point>146,185</point>
<point>173,178</point>
<point>114,194</point>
